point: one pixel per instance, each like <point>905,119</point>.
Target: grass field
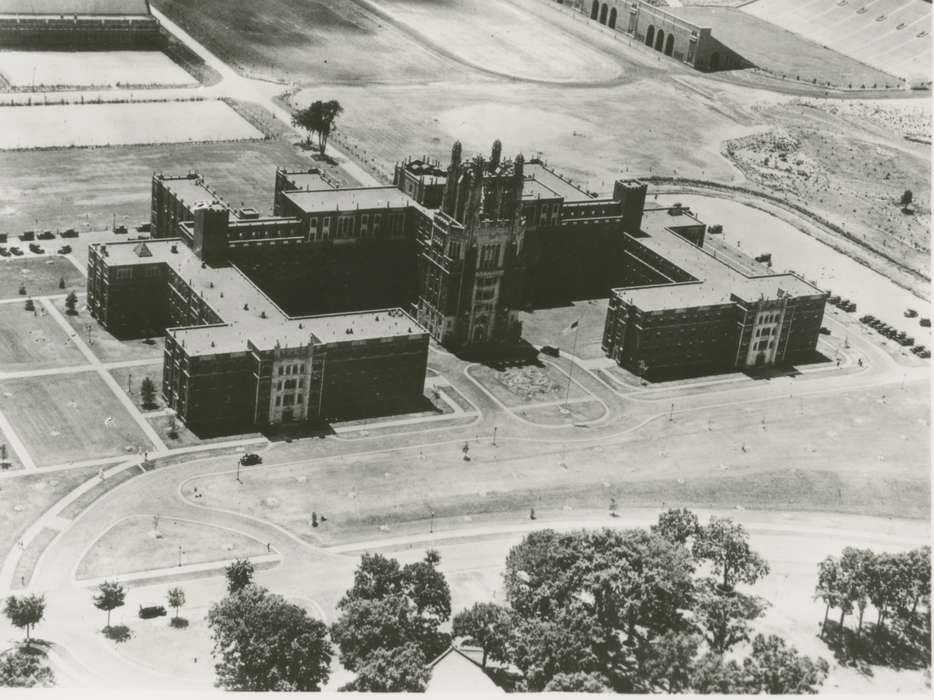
<point>26,497</point>
<point>42,69</point>
<point>496,36</point>
<point>132,377</point>
<point>130,546</point>
<point>574,412</point>
<point>41,276</point>
<point>107,348</point>
<point>121,124</point>
<point>322,41</point>
<point>79,187</point>
<point>33,342</point>
<point>781,51</point>
<point>61,418</point>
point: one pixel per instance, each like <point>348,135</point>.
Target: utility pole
<point>494,427</point>
<point>671,413</point>
<point>179,555</point>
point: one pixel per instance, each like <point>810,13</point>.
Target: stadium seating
<point>891,35</point>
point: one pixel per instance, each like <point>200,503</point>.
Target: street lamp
<point>431,526</point>
<point>494,436</point>
<point>179,555</point>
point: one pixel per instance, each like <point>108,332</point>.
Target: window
<point>288,399</point>
<point>376,220</point>
<point>281,370</point>
<point>298,399</point>
<point>279,386</point>
<point>364,224</point>
<point>278,401</point>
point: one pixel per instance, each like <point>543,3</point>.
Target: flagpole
<point>567,393</point>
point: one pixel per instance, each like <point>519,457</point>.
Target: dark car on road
<point>250,458</point>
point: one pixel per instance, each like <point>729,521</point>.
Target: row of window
<point>346,226</point>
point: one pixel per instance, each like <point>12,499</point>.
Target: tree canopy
<point>239,574</point>
<point>25,612</point>
<point>110,596</point>
<point>24,669</point>
<point>401,669</point>
<point>264,643</point>
<point>484,625</point>
<point>388,607</point>
<point>318,118</point>
<point>725,544</point>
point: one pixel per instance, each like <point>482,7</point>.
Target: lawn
<point>41,276</point>
<point>130,546</point>
<point>322,41</point>
<point>552,326</point>
<point>62,418</point>
<point>130,380</point>
<point>106,347</point>
<point>87,188</point>
<point>28,341</point>
<point>30,557</point>
<point>519,384</point>
<point>26,497</point>
<point>497,37</point>
<point>121,123</point>
<point>574,412</point>
<point>781,51</point>
<point>41,69</point>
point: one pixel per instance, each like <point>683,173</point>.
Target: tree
<point>831,589</point>
<point>725,545</point>
<point>917,566</point>
<point>714,674</point>
<point>776,668</point>
<point>484,625</point>
<point>263,643</point>
<point>61,282</point>
<point>318,118</point>
<point>391,606</point>
<point>25,612</point>
<point>668,668</point>
<point>907,198</point>
<point>111,595</point>
<point>71,303</point>
<point>147,391</point>
<point>577,682</point>
<point>724,617</point>
<point>399,670</point>
<point>677,525</point>
<point>856,567</point>
<point>176,598</point>
<point>24,669</point>
<point>239,575</point>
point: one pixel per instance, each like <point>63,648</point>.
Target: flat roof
<point>191,190</point>
<point>308,181</point>
<point>715,280</point>
<point>351,198</point>
<point>248,314</point>
<point>552,181</point>
<point>57,8</point>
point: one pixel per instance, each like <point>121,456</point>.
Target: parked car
<point>925,354</point>
<point>715,228</point>
<point>910,313</point>
<point>4,252</point>
<point>868,318</point>
<point>69,233</point>
<point>551,350</point>
<point>28,236</point>
<point>925,322</point>
<point>250,458</point>
<point>120,229</point>
<point>144,228</point>
<point>908,341</point>
<point>16,250</point>
<point>835,300</point>
<point>150,610</point>
<point>64,250</point>
<point>36,248</point>
<point>3,237</point>
<point>824,330</point>
<point>46,236</point>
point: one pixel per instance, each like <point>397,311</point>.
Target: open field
<point>62,418</point>
<point>41,276</point>
<point>107,348</point>
<point>29,341</point>
<point>130,379</point>
<point>519,384</point>
<point>496,37</point>
<point>121,123</point>
<point>86,188</point>
<point>323,41</point>
<point>809,456</point>
<point>783,53</point>
<point>56,69</point>
<point>130,546</point>
<point>26,497</point>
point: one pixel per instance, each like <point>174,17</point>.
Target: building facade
<point>684,310</point>
<point>79,24</point>
<point>662,30</point>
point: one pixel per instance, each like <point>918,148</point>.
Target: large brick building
<point>683,309</point>
<point>78,24</point>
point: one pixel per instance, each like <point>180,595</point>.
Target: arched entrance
<point>650,35</point>
<point>659,39</point>
<point>714,61</point>
<point>612,23</point>
<point>595,10</point>
<point>603,12</point>
<point>669,44</point>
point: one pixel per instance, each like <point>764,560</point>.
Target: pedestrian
<point>268,547</point>
<point>531,514</point>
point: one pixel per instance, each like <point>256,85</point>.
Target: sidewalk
<point>173,571</point>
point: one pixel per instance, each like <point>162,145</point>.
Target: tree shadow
<point>117,633</point>
<point>900,645</point>
<point>178,623</point>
